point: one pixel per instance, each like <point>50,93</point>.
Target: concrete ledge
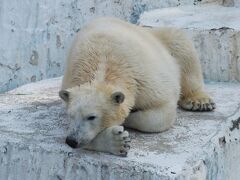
<point>215,31</point>
<point>199,146</point>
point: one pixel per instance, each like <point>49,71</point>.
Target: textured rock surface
<point>215,31</point>
<point>200,145</point>
<point>231,3</point>
<point>36,35</point>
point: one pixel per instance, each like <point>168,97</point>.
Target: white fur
<point>114,140</point>
<point>153,68</point>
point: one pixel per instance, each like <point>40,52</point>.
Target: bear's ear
<point>64,95</point>
<point>118,97</point>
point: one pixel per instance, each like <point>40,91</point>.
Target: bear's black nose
<point>71,142</point>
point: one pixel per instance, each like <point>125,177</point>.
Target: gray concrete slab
<point>215,31</point>
<point>200,145</point>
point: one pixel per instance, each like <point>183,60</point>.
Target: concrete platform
<point>200,145</point>
<point>215,31</point>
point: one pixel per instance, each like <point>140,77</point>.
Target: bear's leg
<point>193,96</point>
<point>113,140</point>
<point>152,120</point>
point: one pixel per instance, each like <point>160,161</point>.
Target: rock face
<point>33,128</point>
<point>215,31</point>
<point>36,35</point>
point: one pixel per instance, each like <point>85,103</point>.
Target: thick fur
<point>154,68</point>
<point>193,97</point>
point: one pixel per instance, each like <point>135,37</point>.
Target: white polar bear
<point>118,73</point>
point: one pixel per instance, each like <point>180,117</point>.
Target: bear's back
<point>129,51</point>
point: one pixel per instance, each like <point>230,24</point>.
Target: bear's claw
<point>197,103</point>
<point>120,141</point>
<point>113,140</point>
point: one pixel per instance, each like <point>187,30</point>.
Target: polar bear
<point>119,74</point>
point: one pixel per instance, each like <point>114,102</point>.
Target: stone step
<point>134,8</point>
<point>200,145</point>
<point>215,31</point>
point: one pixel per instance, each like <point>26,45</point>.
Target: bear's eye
<point>91,118</point>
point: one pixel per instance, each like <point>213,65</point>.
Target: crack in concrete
<point>221,29</point>
<point>235,124</point>
<point>16,68</point>
<point>222,141</point>
<point>6,66</point>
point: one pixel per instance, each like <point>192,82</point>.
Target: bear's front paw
<point>119,141</point>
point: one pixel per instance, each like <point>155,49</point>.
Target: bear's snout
<point>71,142</point>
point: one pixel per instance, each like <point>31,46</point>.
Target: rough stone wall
<point>218,51</point>
<point>36,35</point>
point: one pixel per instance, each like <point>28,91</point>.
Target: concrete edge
<point>212,165</point>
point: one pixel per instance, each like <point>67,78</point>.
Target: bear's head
<point>92,108</point>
